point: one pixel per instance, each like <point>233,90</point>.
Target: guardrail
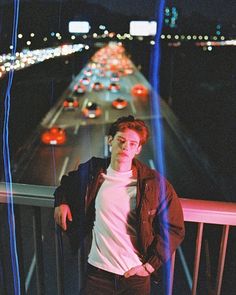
<point>195,211</point>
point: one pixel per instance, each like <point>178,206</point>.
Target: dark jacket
<point>159,216</point>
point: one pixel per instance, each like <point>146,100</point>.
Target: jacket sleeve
<point>66,189</point>
<point>168,227</point>
<point>71,191</point>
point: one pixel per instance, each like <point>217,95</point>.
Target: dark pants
<point>101,282</point>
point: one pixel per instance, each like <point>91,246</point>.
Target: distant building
<point>171,17</point>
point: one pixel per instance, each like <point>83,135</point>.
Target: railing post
<point>197,257</point>
<point>171,275</point>
<point>221,262</point>
<point>37,232</point>
<point>59,260</point>
<point>20,251</point>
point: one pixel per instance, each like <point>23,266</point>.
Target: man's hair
<point>130,122</point>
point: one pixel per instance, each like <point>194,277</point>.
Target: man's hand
<point>139,270</point>
<point>61,213</point>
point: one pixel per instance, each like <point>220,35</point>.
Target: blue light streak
<point>6,160</point>
<point>157,125</point>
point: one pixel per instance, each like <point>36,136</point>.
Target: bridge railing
<point>200,212</point>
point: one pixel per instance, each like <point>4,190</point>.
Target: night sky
<point>214,9</point>
<point>221,10</point>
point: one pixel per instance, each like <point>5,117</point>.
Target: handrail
<point>197,211</point>
<point>29,194</point>
<point>214,212</point>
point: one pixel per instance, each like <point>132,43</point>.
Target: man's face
<point>125,145</point>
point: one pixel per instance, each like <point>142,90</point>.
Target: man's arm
<point>61,214</point>
<point>143,270</point>
<point>169,229</point>
<point>62,194</point>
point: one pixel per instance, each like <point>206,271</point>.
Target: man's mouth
<point>123,154</point>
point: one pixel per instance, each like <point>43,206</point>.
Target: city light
<point>27,58</point>
<point>102,27</point>
<point>79,27</point>
<point>126,36</point>
<point>142,28</point>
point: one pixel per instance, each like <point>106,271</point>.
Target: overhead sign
<point>143,28</point>
<point>79,27</point>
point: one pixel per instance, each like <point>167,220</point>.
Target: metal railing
<point>199,212</point>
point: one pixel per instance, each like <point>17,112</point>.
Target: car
<point>115,77</point>
<point>139,90</point>
<point>79,89</point>
<point>128,71</point>
<point>70,103</point>
<point>102,73</point>
<point>54,136</point>
<point>97,86</point>
<point>92,110</point>
<point>119,103</point>
<point>114,87</point>
<point>88,72</point>
<point>85,80</point>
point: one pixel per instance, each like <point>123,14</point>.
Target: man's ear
<point>109,139</point>
<point>139,149</point>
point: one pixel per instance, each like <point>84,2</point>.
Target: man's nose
<point>125,146</point>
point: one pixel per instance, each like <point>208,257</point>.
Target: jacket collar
<point>143,171</point>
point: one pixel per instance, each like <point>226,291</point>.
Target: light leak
<point>157,128</point>
<point>7,164</point>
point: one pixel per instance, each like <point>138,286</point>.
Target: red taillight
<point>46,137</point>
<point>65,104</point>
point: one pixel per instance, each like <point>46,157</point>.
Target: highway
<point>45,164</point>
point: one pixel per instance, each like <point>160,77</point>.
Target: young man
<point>118,200</point>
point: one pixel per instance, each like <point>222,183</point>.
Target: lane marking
<point>151,163</point>
<point>31,270</point>
<point>179,249</point>
<point>133,107</point>
<point>30,273</point>
<point>77,128</point>
<point>63,168</point>
<point>106,115</point>
<point>84,103</point>
<point>185,267</point>
<point>107,98</point>
<point>55,117</point>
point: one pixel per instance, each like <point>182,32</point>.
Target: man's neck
<point>121,166</point>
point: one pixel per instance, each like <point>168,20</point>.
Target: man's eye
<point>133,144</point>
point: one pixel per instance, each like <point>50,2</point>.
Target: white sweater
<point>114,232</point>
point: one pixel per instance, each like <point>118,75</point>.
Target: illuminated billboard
<point>142,28</point>
<point>79,27</point>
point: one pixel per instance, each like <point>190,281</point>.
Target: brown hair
<point>130,122</point>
